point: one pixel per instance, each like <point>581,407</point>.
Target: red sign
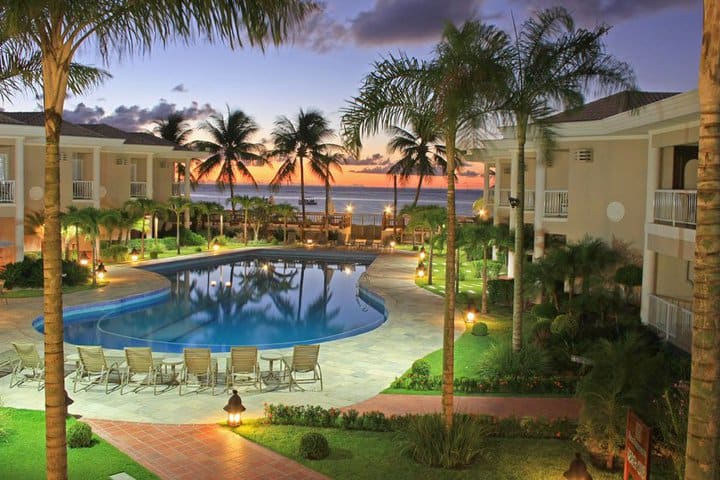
<point>637,449</point>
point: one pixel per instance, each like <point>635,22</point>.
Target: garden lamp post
<point>420,270</point>
<point>422,253</point>
<point>84,259</point>
<point>216,246</point>
<point>471,313</point>
<point>134,255</point>
<point>100,271</point>
<point>234,408</point>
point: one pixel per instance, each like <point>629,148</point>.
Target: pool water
<point>270,303</point>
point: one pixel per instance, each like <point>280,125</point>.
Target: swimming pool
<point>219,302</point>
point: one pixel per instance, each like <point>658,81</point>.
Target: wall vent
<point>584,155</point>
<point>121,161</point>
<point>163,163</point>
<point>507,170</point>
<point>63,156</point>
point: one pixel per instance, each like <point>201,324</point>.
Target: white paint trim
<point>149,176</point>
<point>673,233</point>
<point>19,199</point>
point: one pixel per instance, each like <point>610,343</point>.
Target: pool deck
<point>354,369</point>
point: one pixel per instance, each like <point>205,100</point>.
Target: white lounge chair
<point>29,367</point>
<point>198,366</point>
<point>243,368</point>
<point>303,361</point>
<point>141,369</point>
<point>94,368</point>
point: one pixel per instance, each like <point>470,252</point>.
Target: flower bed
<point>558,385</point>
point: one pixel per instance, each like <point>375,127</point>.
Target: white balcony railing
<point>7,191</point>
<point>82,189</point>
<point>489,197</point>
<point>676,207</point>
<point>556,203</point>
<point>138,189</point>
<point>673,320</point>
<point>178,189</point>
<point>505,198</point>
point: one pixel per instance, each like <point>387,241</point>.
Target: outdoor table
<point>271,376</point>
<point>172,362</point>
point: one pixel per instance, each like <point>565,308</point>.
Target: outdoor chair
<point>360,243</point>
<point>377,244</point>
<point>8,358</point>
<point>243,368</point>
<point>29,366</point>
<point>199,366</point>
<point>141,370</point>
<point>303,361</point>
<point>94,368</point>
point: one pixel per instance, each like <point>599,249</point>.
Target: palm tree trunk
<point>327,201</point>
<point>208,229</point>
<point>177,231</point>
<point>483,306</point>
<point>142,239</point>
<point>232,195</point>
<point>395,207</point>
<point>519,241</point>
<point>302,200</point>
<point>77,242</point>
<point>449,318</point>
<point>55,88</point>
<point>703,438</point>
<point>430,260</point>
<point>245,222</point>
<point>417,190</point>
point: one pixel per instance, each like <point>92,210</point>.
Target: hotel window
<point>133,169</point>
<point>77,166</point>
<point>4,167</point>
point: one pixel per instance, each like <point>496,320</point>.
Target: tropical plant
<point>231,149</point>
<point>260,211</point>
<point>432,218</point>
<point>703,446</point>
<point>177,205</point>
<point>329,163</point>
<point>71,218</point>
<point>286,212</point>
<point>480,236</point>
<point>421,154</point>
<point>627,373</point>
<point>428,441</point>
<point>549,66</point>
<point>208,209</point>
<point>459,84</point>
<point>142,208</point>
<point>176,129</point>
<point>91,221</point>
<point>304,139</point>
<point>245,201</point>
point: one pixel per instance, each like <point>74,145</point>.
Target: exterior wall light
<point>216,246</point>
<point>514,201</point>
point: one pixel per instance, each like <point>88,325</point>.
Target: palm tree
<point>177,130</point>
<point>142,208</point>
<point>177,205</point>
<point>481,236</point>
<point>246,202</point>
<point>429,217</point>
<point>324,173</point>
<point>703,444</point>
<point>550,64</point>
<point>72,218</point>
<point>286,212</point>
<point>421,154</point>
<point>458,84</point>
<point>231,149</point>
<point>297,142</point>
<point>58,30</point>
<point>207,209</point>
<point>260,209</point>
<point>91,221</point>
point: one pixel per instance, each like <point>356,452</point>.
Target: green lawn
<point>22,451</point>
<point>38,292</point>
<point>357,455</point>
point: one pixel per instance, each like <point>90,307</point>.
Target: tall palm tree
<point>549,66</point>
<point>295,142</point>
<point>178,206</point>
<point>286,212</point>
<point>459,84</point>
<point>91,221</point>
<point>703,439</point>
<point>231,150</point>
<point>142,208</point>
<point>58,30</point>
<point>208,209</point>
<point>324,171</point>
<point>176,129</point>
<point>432,218</point>
<point>72,218</point>
<point>481,236</point>
<point>246,202</point>
<point>422,155</point>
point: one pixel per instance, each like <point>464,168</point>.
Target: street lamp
<point>422,254</point>
<point>420,270</point>
<point>101,270</point>
<point>234,408</point>
<point>216,246</point>
<point>471,313</point>
<point>84,259</point>
<point>393,244</point>
<point>134,255</point>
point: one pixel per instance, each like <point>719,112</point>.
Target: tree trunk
<point>417,191</point>
<point>302,200</point>
<point>483,307</point>
<point>245,222</point>
<point>448,374</point>
<point>232,195</point>
<point>177,230</point>
<point>327,200</point>
<point>395,207</point>
<point>519,241</point>
<point>430,260</point>
<point>54,87</point>
<point>142,239</point>
<point>208,230</point>
<point>703,438</point>
<point>285,230</point>
<point>77,240</point>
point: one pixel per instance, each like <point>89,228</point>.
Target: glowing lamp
<point>265,267</point>
<point>422,254</point>
<point>84,259</point>
<point>101,270</point>
<point>347,270</point>
<point>420,271</point>
<point>310,242</point>
<point>388,210</point>
<point>213,283</point>
<point>134,255</point>
<point>349,208</point>
<point>216,246</point>
<point>234,408</point>
<point>228,284</point>
<point>392,244</point>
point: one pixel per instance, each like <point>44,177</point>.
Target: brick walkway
<point>198,452</point>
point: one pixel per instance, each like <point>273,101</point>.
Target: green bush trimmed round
<point>421,367</point>
<point>314,446</point>
<point>79,435</point>
<point>566,325</point>
<point>480,329</point>
<point>544,310</point>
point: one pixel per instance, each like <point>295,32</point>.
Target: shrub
<point>480,329</point>
<point>190,238</point>
<point>314,446</point>
<point>198,249</point>
<point>79,435</point>
<point>74,273</point>
<point>421,367</point>
<point>29,273</point>
<point>154,254</point>
<point>500,361</point>
<point>672,425</point>
<point>540,332</point>
<point>429,443</point>
<point>221,240</point>
<point>629,275</point>
<point>500,291</point>
<point>168,243</point>
<point>545,311</point>
<point>564,325</point>
<point>117,252</point>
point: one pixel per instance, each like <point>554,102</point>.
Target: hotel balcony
<point>676,208</point>
<point>556,201</point>
<point>673,319</point>
<point>7,191</point>
<point>82,189</point>
<point>138,189</point>
<point>178,189</point>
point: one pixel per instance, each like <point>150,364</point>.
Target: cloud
<point>377,169</point>
<point>135,118</point>
<point>375,159</point>
<point>469,173</point>
<point>179,88</point>
<point>609,11</point>
<point>387,22</point>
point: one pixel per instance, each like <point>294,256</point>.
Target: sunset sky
<point>336,48</point>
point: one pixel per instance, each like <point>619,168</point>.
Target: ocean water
<point>364,200</point>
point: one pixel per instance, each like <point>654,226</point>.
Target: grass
<point>193,250</point>
<point>38,292</point>
<point>358,455</point>
<point>22,451</point>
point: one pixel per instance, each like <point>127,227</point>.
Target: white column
<point>496,202</point>
<point>513,184</point>
<point>19,199</point>
<point>650,257</point>
<point>486,186</point>
<point>96,177</point>
<point>187,191</point>
<point>149,176</point>
<point>539,243</point>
